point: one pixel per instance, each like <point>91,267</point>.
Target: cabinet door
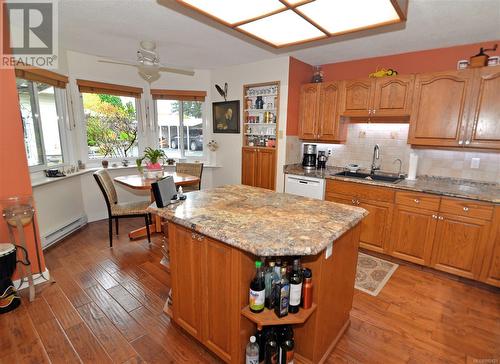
<point>330,125</point>
<point>459,245</point>
<point>440,108</point>
<point>248,166</point>
<point>186,279</point>
<point>491,266</point>
<point>484,123</point>
<point>375,227</point>
<point>266,168</point>
<point>412,234</point>
<point>357,97</point>
<point>309,111</point>
<point>220,302</point>
<point>393,96</point>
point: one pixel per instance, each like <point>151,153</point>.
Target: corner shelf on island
<point>269,318</point>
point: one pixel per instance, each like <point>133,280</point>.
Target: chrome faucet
<point>400,165</point>
<point>376,156</point>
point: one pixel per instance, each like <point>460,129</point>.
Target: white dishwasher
<point>305,186</point>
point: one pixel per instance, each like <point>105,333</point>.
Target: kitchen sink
<point>373,177</point>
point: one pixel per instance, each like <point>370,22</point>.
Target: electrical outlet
<point>474,163</point>
<point>329,152</point>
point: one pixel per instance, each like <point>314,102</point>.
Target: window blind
<point>41,75</point>
<point>182,95</point>
<point>108,88</point>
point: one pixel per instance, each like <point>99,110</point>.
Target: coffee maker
<point>309,158</point>
<point>322,158</point>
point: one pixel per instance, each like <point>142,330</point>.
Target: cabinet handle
<point>460,142</point>
<point>416,200</point>
<point>196,236</point>
<point>434,216</point>
<point>353,201</point>
<point>467,142</point>
<point>369,111</point>
<point>440,218</point>
<point>373,111</point>
<point>357,202</point>
<point>466,209</point>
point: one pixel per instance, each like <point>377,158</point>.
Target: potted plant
<point>138,163</point>
<point>153,157</point>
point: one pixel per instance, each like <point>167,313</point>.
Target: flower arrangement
<point>212,145</point>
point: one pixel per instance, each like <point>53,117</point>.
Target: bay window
<point>179,117</point>
<point>42,102</point>
<point>111,119</point>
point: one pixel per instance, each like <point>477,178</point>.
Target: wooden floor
<point>106,306</point>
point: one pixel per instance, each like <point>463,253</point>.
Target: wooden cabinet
<point>319,117</point>
<point>259,167</point>
<point>377,97</point>
<point>393,96</point>
<point>440,108</point>
<point>483,129</point>
<point>490,272</point>
<point>375,228</point>
<point>412,234</point>
<point>459,245</point>
<point>185,254</point>
<point>309,111</point>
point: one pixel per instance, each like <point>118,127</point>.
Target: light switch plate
<point>328,251</point>
<point>474,163</point>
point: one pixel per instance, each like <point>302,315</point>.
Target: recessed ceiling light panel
<point>345,16</point>
<point>283,28</point>
<point>235,11</point>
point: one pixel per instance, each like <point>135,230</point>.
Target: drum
<point>9,299</point>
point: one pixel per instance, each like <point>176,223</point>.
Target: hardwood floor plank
<point>151,351</point>
<point>71,289</point>
<point>86,345</point>
<point>111,339</point>
<point>124,298</point>
<point>157,271</point>
<point>144,295</point>
<point>102,277</point>
<point>61,307</point>
<point>56,344</point>
<point>112,309</point>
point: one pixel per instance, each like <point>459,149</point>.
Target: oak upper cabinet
<point>357,97</point>
<point>186,279</point>
<point>319,113</point>
<point>459,245</point>
<point>258,167</point>
<point>440,108</point>
<point>309,111</point>
<point>393,96</point>
<point>248,166</point>
<point>484,123</point>
<point>266,169</point>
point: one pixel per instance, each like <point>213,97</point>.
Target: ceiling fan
<point>148,63</point>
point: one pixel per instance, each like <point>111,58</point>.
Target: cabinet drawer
<point>419,200</point>
<point>467,208</point>
<point>361,191</point>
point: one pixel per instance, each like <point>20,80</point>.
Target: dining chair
<point>117,210</point>
<point>194,169</point>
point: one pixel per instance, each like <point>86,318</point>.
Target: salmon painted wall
<point>432,60</point>
<point>298,74</point>
<point>14,171</point>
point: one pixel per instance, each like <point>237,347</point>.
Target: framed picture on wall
<point>226,116</point>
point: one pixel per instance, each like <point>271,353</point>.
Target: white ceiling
<point>113,28</point>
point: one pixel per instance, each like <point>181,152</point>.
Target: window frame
<point>140,132</point>
<point>182,156</point>
<point>60,99</point>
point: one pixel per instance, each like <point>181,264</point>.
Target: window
<point>179,116</point>
<point>111,119</point>
<point>42,109</point>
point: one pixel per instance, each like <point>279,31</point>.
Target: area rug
<point>373,273</point>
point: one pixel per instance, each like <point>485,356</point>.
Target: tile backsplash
<point>392,139</point>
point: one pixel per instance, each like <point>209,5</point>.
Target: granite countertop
<point>462,188</point>
<point>263,222</point>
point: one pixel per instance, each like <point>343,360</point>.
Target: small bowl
<point>352,167</point>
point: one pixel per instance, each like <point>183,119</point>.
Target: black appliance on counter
<point>309,158</point>
<point>322,158</point>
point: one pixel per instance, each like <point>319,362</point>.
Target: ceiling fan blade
<point>176,70</point>
<point>118,62</point>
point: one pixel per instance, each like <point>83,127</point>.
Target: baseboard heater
<point>64,231</point>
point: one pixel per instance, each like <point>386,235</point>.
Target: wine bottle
<point>257,290</point>
<point>261,341</point>
<point>271,355</point>
<point>282,295</point>
<point>295,287</point>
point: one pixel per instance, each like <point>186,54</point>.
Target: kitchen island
<point>216,235</point>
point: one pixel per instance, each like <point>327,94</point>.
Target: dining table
<point>139,182</point>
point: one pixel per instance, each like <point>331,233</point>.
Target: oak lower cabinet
<point>490,272</point>
<point>412,234</point>
<point>258,167</point>
<point>459,245</point>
